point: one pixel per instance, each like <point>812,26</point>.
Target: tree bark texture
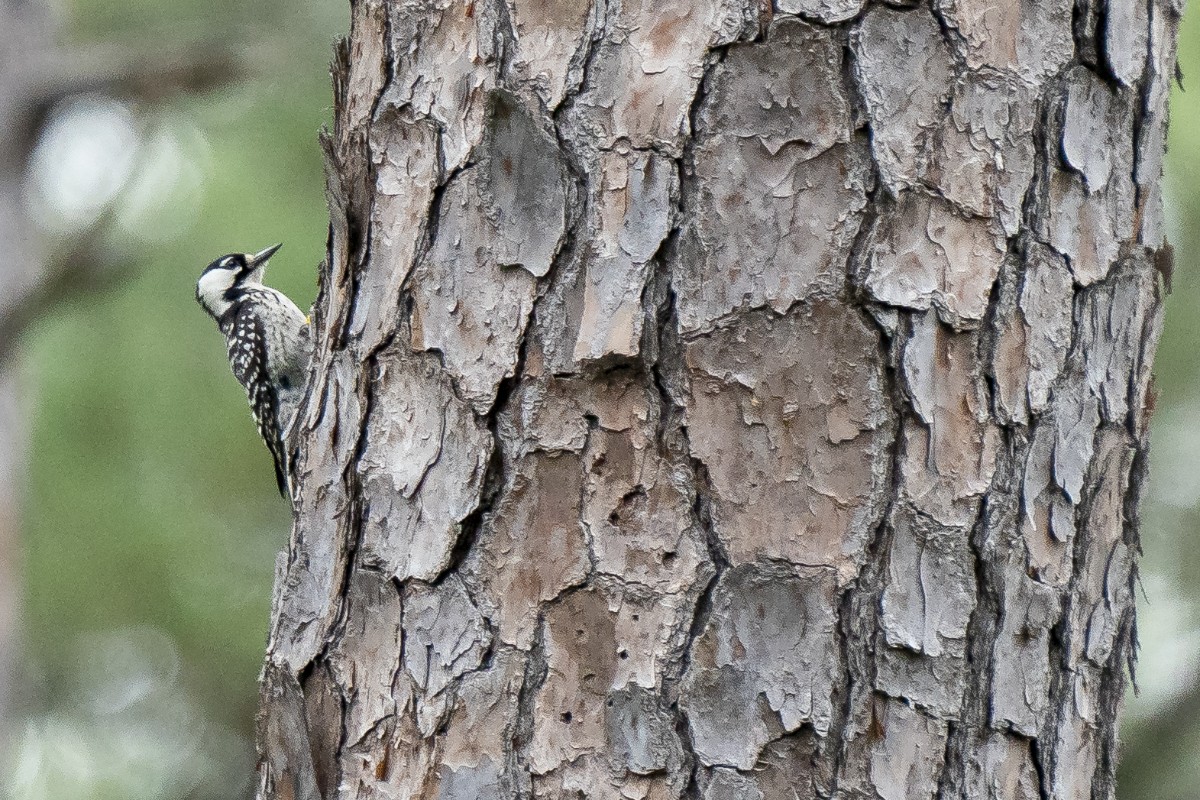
<point>715,400</point>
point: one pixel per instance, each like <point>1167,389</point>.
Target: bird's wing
<point>248,358</point>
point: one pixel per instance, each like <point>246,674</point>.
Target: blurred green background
<point>152,521</point>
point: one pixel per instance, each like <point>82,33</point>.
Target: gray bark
<point>721,401</point>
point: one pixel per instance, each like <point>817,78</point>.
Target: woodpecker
<point>268,341</point>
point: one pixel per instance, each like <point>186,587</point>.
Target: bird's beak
<point>260,258</point>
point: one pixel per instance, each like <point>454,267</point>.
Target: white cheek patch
<point>212,287</point>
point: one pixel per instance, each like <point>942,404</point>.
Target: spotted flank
<point>247,348</point>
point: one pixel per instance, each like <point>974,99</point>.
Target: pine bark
<point>714,400</point>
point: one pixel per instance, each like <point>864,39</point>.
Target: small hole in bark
<point>565,716</point>
<point>636,617</point>
<point>669,558</point>
<point>614,518</point>
<point>609,703</point>
<point>622,654</point>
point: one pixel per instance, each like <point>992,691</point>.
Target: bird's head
<point>223,279</point>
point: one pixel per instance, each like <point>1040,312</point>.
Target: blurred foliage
<point>152,514</point>
<point>152,520</point>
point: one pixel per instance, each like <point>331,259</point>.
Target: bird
<point>269,343</point>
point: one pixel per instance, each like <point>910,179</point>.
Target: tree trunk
<point>713,401</point>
